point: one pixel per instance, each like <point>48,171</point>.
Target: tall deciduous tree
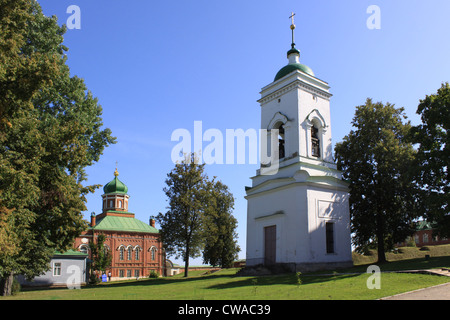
<point>21,75</point>
<point>375,158</point>
<point>50,131</point>
<point>181,226</point>
<point>21,78</point>
<point>199,216</point>
<point>433,157</point>
<point>220,225</point>
<point>101,256</point>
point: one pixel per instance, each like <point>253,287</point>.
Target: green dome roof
<point>291,67</point>
<point>115,186</point>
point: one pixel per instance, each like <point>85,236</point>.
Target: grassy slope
<point>405,253</point>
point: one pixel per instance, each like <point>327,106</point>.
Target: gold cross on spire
<point>292,18</point>
<point>116,173</point>
<point>292,28</point>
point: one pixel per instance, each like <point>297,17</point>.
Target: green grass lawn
<point>224,285</point>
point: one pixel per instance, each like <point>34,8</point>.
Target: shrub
<point>153,274</point>
<point>299,279</point>
<point>93,279</point>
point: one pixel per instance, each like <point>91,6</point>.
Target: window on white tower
<point>315,141</point>
<point>281,142</point>
<point>329,234</point>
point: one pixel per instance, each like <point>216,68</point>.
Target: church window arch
<point>317,127</point>
<point>153,253</point>
<point>137,253</point>
<point>121,253</point>
<point>278,124</point>
<point>129,253</point>
<point>315,141</point>
<point>281,141</point>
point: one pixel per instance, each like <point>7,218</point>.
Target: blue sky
<point>157,66</point>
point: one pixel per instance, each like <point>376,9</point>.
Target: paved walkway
<point>439,292</point>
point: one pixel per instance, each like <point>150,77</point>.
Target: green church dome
<point>115,186</point>
<point>291,67</point>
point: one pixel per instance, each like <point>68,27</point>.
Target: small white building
<point>297,206</point>
<point>69,269</point>
<point>172,268</point>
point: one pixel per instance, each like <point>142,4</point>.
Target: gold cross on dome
<point>292,29</point>
<point>116,173</point>
<point>292,17</point>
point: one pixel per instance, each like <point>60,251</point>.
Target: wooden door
<point>270,244</point>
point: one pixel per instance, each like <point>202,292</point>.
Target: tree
<point>21,75</point>
<point>181,226</point>
<point>221,247</point>
<point>101,256</point>
<point>50,131</point>
<point>375,158</point>
<point>433,156</point>
<point>21,78</point>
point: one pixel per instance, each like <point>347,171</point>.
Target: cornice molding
<point>296,84</point>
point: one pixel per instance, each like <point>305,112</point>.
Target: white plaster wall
<point>301,236</point>
<point>328,206</point>
<point>291,225</point>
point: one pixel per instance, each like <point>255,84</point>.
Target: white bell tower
<point>297,209</point>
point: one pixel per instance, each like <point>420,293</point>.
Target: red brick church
<point>135,246</point>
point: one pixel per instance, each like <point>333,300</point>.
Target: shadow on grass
<point>286,279</point>
<point>219,281</point>
<point>132,283</point>
<point>233,281</point>
<point>411,264</point>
